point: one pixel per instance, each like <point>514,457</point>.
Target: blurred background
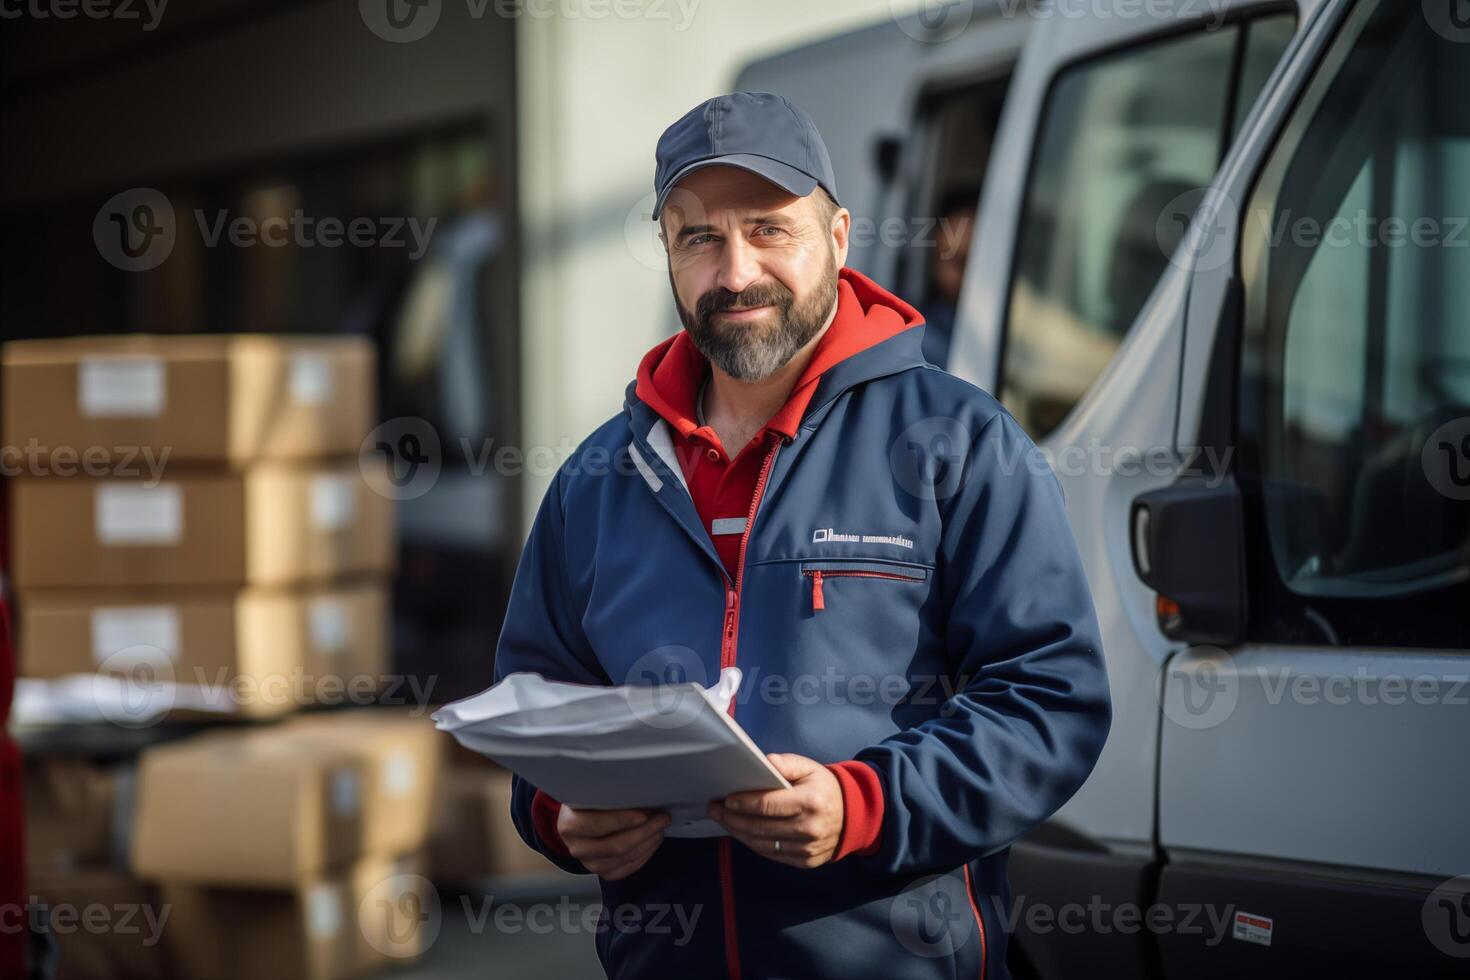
<point>360,276</point>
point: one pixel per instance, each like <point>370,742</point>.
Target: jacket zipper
<point>818,575</point>
<point>979,920</point>
<point>727,659</point>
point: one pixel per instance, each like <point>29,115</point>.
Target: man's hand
<point>611,843</point>
<point>806,819</point>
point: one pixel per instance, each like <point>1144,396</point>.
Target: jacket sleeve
<point>1031,708</point>
<point>542,634</point>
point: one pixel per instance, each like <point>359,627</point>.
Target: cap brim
<point>784,176</point>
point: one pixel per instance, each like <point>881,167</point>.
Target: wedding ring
<point>778,847</point>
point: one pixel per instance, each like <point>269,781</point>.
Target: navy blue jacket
<point>956,652</point>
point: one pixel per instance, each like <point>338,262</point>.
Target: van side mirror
<point>1188,547</point>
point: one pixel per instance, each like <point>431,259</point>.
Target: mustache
<point>720,299</point>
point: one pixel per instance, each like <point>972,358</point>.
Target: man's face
<point>753,268</point>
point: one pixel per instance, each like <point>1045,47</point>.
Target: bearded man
<point>869,539</point>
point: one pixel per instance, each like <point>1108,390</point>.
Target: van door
<point>1313,782</point>
<point>1073,316</point>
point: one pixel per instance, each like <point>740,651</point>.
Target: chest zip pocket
<point>819,571</point>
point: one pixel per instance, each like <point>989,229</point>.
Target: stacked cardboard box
<point>194,505</point>
<point>292,850</point>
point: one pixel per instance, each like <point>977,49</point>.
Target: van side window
<point>1126,142</point>
<point>1355,402</point>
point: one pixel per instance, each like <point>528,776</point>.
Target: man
<point>947,273</point>
<point>792,489</point>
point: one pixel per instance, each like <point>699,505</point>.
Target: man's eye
<point>768,228</point>
<point>698,240</point>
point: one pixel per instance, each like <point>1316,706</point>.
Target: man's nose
<point>739,265</point>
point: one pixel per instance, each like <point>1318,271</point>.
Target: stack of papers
<point>672,747</point>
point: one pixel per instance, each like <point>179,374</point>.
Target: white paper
<point>121,387</point>
<point>672,747</point>
<point>132,514</point>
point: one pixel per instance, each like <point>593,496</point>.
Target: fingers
<point>618,870</point>
<point>793,766</point>
<point>769,828</point>
<point>599,823</point>
<point>768,803</point>
<point>795,854</point>
<point>616,846</point>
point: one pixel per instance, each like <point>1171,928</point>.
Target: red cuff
<point>862,809</point>
<point>544,811</point>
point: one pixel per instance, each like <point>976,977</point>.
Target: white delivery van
<point>1221,273</point>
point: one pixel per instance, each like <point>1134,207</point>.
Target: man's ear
<point>841,232</point>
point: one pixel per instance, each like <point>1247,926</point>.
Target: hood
<point>870,321</point>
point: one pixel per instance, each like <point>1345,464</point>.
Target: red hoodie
<point>669,378</point>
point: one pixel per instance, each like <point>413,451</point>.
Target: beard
<point>755,351</point>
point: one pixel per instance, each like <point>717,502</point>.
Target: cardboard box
<point>344,923</point>
<point>252,652</point>
<point>272,524</point>
<point>72,816</point>
<point>228,398</point>
<point>402,755</point>
<point>246,808</point>
<point>473,834</point>
<point>107,926</point>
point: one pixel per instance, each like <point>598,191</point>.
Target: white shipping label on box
<point>345,792</point>
<point>122,387</point>
<point>134,629</point>
<point>399,773</point>
<point>129,514</point>
<point>330,626</point>
<point>311,378</point>
<point>333,501</point>
<point>324,910</point>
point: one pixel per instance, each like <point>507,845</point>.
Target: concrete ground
<point>514,928</point>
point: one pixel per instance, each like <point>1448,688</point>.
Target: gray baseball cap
<point>755,131</point>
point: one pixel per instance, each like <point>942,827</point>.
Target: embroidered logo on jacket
<point>828,534</point>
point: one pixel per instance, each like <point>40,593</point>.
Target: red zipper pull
<point>819,601</point>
